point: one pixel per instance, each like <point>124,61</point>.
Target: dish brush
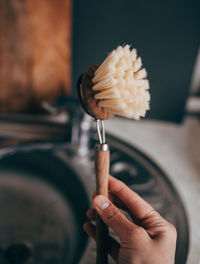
<point>117,87</point>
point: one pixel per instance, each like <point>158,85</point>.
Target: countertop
<point>176,149</point>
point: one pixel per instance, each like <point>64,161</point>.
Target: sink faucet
<point>84,135</point>
<point>78,124</point>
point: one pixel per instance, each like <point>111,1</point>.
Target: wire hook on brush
<point>100,131</point>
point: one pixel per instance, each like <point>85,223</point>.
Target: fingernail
<point>101,202</point>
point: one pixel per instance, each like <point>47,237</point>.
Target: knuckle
<point>173,229</point>
<point>112,212</point>
<point>117,191</point>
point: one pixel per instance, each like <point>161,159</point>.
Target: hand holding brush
<point>145,237</point>
<point>117,87</point>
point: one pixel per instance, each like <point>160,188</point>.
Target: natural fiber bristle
<point>121,85</point>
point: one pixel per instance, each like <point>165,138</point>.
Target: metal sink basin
<point>42,205</point>
<point>45,190</point>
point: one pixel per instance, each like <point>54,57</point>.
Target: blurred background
<point>46,140</point>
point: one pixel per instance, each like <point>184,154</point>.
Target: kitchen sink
<point>46,188</point>
<point>42,205</point>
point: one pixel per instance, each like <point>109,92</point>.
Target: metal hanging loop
<point>100,131</point>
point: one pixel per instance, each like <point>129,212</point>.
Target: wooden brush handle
<point>102,164</point>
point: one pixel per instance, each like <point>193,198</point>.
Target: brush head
<point>117,87</point>
<point>87,95</point>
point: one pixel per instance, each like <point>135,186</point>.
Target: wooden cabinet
<point>35,52</point>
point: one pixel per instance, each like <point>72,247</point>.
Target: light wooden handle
<point>102,165</point>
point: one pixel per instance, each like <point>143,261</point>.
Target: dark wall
<point>165,33</point>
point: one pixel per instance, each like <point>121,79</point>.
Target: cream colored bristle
<point>107,94</point>
<point>113,103</point>
<point>105,84</point>
<point>121,85</point>
<point>140,74</point>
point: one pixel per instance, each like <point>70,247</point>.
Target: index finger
<point>137,206</point>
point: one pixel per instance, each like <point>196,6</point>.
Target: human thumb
<point>112,216</point>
